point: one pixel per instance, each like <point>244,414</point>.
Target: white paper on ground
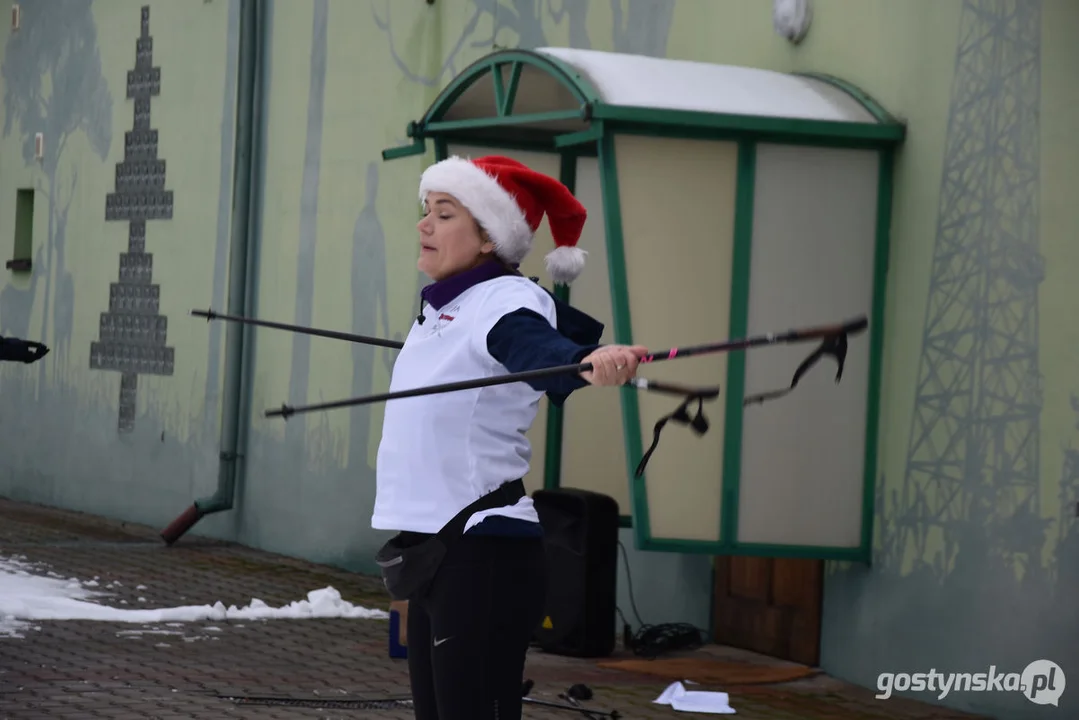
<point>699,701</point>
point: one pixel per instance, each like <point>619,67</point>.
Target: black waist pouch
<point>409,567</point>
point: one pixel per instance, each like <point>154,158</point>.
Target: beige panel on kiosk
<point>593,445</point>
<point>814,231</point>
<point>532,266</point>
<point>678,200</point>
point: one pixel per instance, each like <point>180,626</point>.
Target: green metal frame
<point>602,124</point>
<point>552,459</point>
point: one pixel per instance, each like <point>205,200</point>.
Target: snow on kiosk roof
<point>642,81</point>
<point>553,97</point>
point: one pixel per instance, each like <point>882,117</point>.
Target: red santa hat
<point>508,200</point>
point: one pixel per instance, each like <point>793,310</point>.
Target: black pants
<point>467,638</point>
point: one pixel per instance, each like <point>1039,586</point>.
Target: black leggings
<point>467,638</point>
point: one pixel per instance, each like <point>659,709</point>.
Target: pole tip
<point>284,412</point>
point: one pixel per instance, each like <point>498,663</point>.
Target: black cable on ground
<point>650,641</point>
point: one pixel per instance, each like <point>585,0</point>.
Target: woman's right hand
<point>613,364</point>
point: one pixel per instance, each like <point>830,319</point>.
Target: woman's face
<point>450,239</point>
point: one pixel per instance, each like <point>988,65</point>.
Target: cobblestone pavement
<point>322,668</point>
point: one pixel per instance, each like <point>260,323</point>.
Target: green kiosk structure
<point>723,201</point>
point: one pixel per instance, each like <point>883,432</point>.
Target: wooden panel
<point>750,580</point>
<point>770,605</point>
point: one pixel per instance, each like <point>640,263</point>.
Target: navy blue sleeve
<point>523,340</point>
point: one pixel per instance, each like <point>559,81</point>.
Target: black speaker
<point>581,529</point>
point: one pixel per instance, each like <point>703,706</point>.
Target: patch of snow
<point>27,597</point>
<point>11,627</point>
<point>154,631</point>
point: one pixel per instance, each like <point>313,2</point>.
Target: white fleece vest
<point>439,453</point>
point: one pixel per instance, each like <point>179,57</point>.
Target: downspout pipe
<point>245,211</point>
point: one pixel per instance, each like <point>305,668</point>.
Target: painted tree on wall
<point>230,63</point>
<point>133,332</point>
<point>53,85</point>
<point>300,367</point>
<point>369,307</point>
<point>638,26</point>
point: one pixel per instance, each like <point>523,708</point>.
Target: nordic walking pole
<point>334,334</point>
<point>856,325</point>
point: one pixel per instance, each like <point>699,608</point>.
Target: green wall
<point>64,75</point>
<point>969,571</point>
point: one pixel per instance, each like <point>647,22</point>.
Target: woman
<point>444,455</point>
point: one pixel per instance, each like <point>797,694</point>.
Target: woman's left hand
<point>613,364</point>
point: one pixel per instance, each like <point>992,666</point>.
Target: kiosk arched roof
<point>665,84</point>
<point>555,96</point>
